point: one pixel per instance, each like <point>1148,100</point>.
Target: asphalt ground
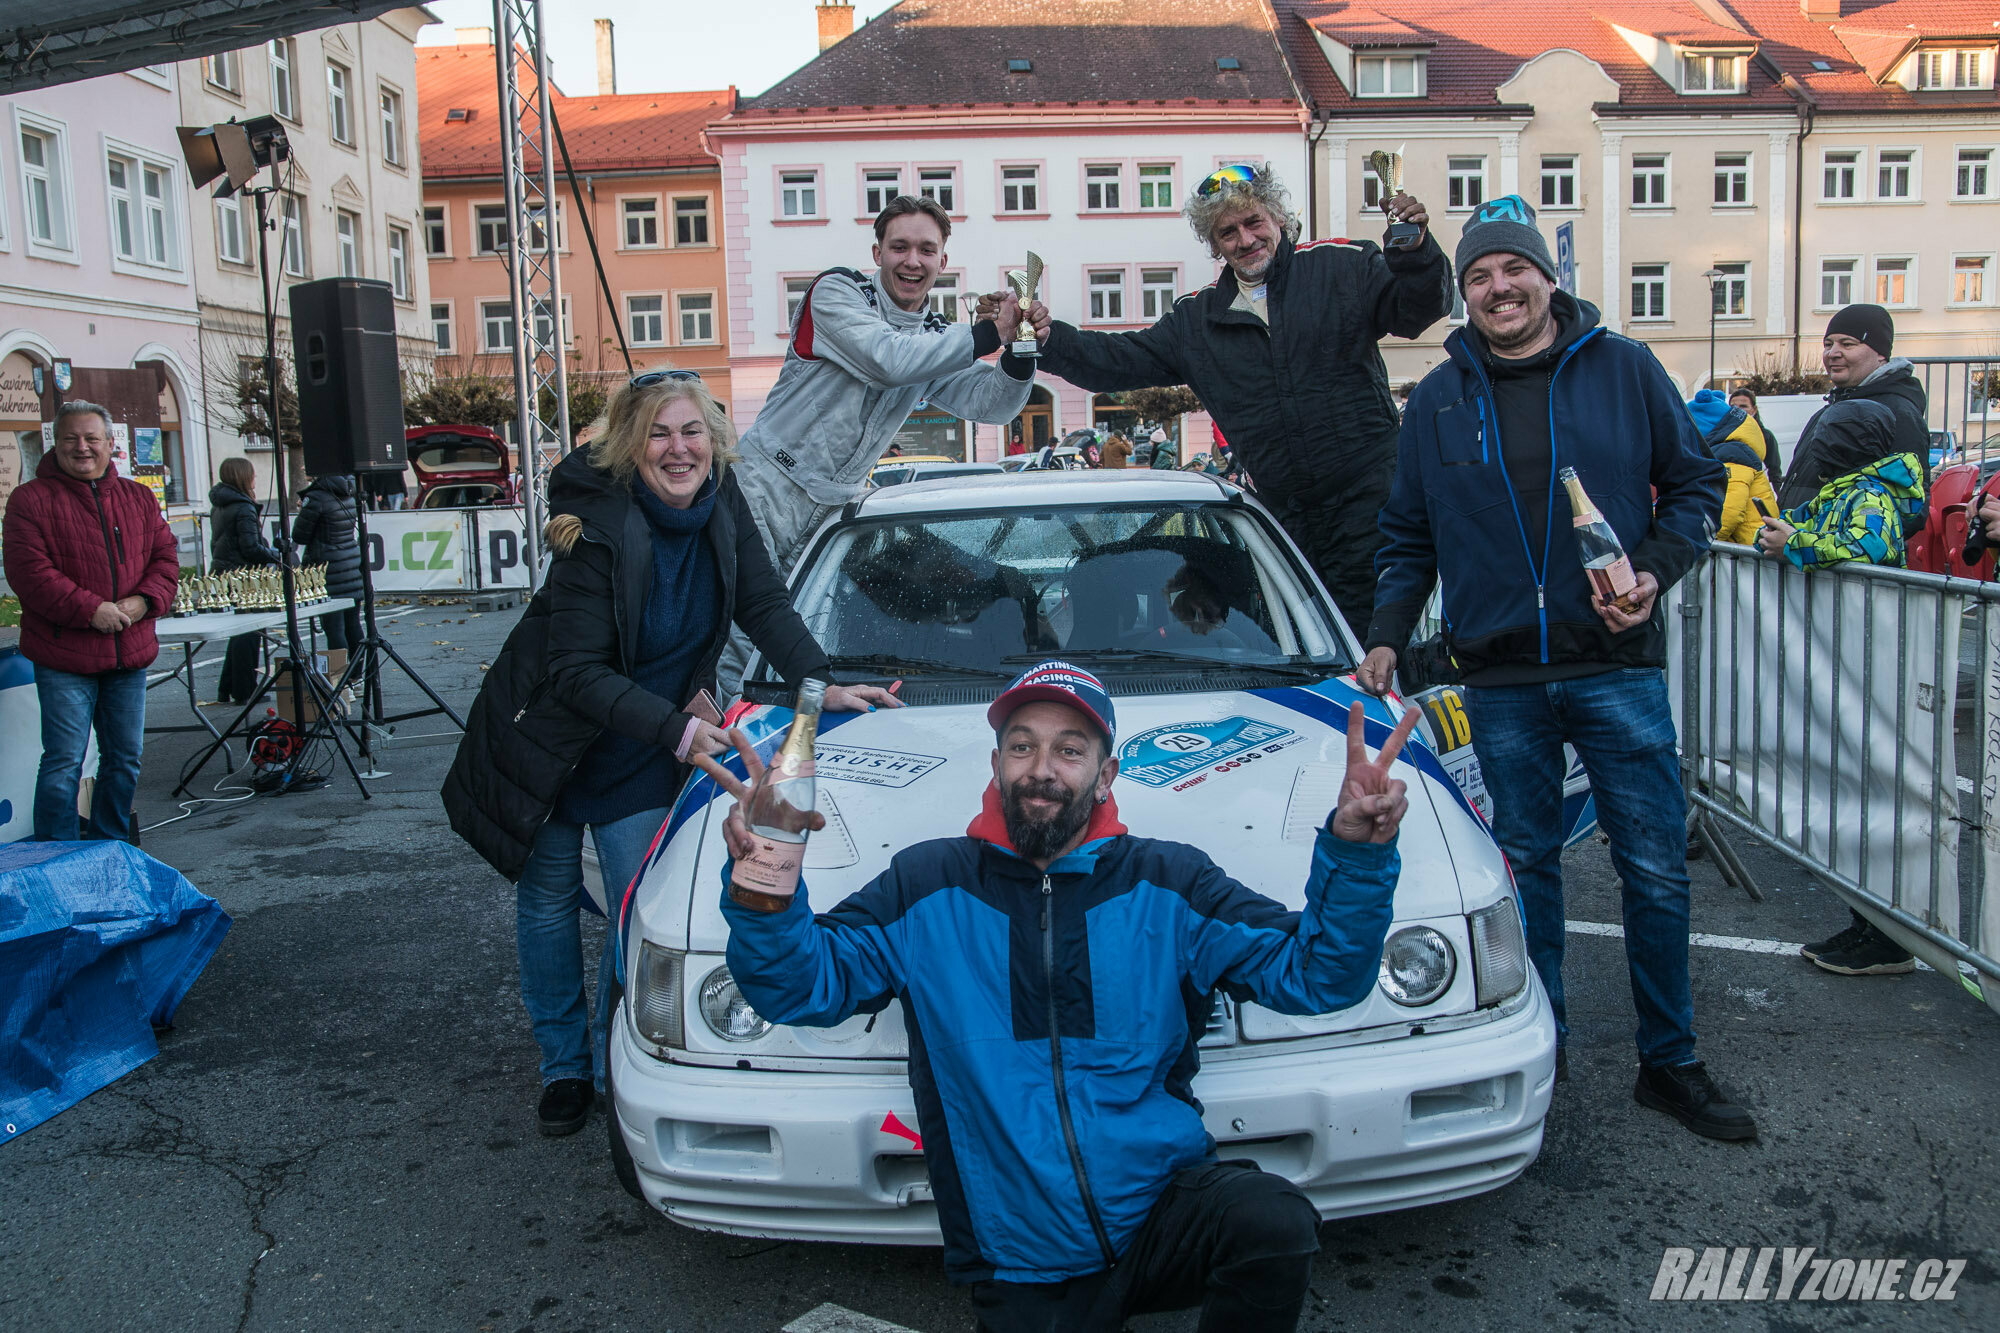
<point>339,1133</point>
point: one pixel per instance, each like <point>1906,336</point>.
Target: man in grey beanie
<point>1532,386</point>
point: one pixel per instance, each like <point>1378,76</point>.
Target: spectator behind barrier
<point>1734,439</point>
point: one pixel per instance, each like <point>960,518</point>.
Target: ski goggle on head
<point>1221,177</point>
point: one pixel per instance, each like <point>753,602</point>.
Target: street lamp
<point>1714,276</point>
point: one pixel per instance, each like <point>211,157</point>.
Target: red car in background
<point>460,467</point>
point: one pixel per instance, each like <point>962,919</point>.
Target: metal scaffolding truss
<point>541,384</point>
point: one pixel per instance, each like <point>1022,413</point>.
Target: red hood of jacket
<point>990,825</point>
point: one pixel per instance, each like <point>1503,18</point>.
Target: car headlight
<point>654,1000</point>
<point>728,1015</point>
<point>1499,952</point>
<point>1417,966</point>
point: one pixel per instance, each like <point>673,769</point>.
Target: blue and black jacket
<point>1515,591</point>
<point>1053,1017</point>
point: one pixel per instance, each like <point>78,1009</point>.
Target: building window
<point>392,127</point>
<point>347,243</point>
<point>1457,315</point>
<point>1020,189</point>
<point>691,221</point>
<point>545,328</point>
<point>697,316</point>
<point>337,80</point>
<point>1156,292</point>
<point>162,246</point>
<point>1465,183</point>
<point>795,293</point>
<point>1709,74</point>
<point>1836,283</point>
<point>1649,291</point>
<point>223,70</point>
<point>642,224</point>
<point>119,172</point>
<point>1558,182</point>
<point>496,326</point>
<point>1732,180</point>
<point>939,184</point>
<point>646,320</point>
<point>1386,76</point>
<point>1730,296</point>
<point>489,228</point>
<point>1951,69</point>
<point>1101,181</point>
<point>1975,179</point>
<point>229,238</point>
<point>1156,185</point>
<point>437,240</point>
<point>1107,296</point>
<point>878,186</point>
<point>1649,181</point>
<point>944,296</point>
<point>441,326</point>
<point>292,235</point>
<point>284,84</point>
<point>799,194</point>
<point>45,187</point>
<point>1971,279</point>
<point>1895,173</point>
<point>1839,169</point>
<point>399,262</point>
<point>1895,280</point>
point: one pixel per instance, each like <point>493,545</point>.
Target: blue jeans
<point>549,935</point>
<point>116,702</point>
<point>1624,734</point>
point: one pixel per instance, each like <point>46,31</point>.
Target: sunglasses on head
<point>652,377</point>
<point>1239,174</point>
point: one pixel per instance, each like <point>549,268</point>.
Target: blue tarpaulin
<point>98,942</point>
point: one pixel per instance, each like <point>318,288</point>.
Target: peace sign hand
<point>735,829</point>
<point>1372,804</point>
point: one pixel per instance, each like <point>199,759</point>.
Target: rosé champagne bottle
<point>1604,558</point>
<point>780,810</point>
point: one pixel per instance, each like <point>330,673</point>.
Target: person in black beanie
<point>1876,410</point>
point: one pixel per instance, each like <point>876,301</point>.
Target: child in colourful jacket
<point>1734,439</point>
<point>1866,515</point>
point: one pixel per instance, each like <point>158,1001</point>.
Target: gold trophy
<point>1388,168</point>
<point>1024,282</point>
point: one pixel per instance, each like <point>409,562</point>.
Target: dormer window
<point>1389,75</point>
<point>1707,73</point>
<point>1954,70</point>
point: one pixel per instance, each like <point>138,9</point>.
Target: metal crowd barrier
<point>1849,719</point>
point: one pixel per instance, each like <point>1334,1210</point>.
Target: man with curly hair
<point>1281,349</point>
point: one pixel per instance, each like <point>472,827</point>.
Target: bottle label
<point>1613,580</point>
<point>773,868</point>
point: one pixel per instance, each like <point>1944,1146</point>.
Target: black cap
<point>1868,324</point>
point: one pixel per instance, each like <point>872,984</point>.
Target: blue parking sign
<point>1566,257</point>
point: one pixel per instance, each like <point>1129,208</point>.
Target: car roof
<point>1010,490</point>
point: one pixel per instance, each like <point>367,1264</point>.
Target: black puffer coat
<point>325,528</point>
<point>561,680</point>
<point>236,531</point>
<point>1880,417</point>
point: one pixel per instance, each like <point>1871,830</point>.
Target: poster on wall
<point>149,462</point>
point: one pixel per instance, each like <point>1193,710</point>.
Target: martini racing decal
<point>1168,754</point>
<point>876,768</point>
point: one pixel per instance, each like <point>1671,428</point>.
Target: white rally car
<point>1230,672</point>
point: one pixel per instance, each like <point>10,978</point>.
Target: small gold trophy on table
<point>1025,282</point>
<point>1388,168</point>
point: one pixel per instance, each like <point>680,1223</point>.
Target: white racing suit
<point>856,365</point>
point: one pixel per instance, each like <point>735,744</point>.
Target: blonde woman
<point>587,716</point>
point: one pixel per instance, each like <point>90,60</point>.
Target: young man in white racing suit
<point>864,350</point>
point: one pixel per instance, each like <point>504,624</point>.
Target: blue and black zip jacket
<point>1053,1017</point>
<point>1516,598</point>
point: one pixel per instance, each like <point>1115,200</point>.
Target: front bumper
<point>1361,1129</point>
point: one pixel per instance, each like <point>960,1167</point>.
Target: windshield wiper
<point>913,666</point>
<point>1161,655</point>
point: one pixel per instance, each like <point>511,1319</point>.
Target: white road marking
<point>831,1318</point>
<point>1736,942</point>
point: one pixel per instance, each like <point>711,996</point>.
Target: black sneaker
<point>1689,1095</point>
<point>1856,928</point>
<point>565,1106</point>
<point>1871,954</point>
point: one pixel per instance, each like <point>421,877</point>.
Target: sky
<point>666,45</point>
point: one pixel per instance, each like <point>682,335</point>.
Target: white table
<point>194,632</point>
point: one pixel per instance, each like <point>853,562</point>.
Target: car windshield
<point>1121,587</point>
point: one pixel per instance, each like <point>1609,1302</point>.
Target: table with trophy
<point>208,607</point>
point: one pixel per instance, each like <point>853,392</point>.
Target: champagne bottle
<point>781,807</point>
<point>1604,558</point>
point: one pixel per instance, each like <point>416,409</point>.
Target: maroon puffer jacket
<point>70,546</point>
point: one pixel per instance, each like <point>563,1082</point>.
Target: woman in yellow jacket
<point>1732,438</point>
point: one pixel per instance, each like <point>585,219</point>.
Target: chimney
<point>607,65</point>
<point>475,36</point>
<point>836,20</point>
<point>1820,11</point>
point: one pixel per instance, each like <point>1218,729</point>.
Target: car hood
<point>1247,776</point>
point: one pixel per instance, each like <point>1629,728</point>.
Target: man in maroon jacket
<point>93,562</point>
